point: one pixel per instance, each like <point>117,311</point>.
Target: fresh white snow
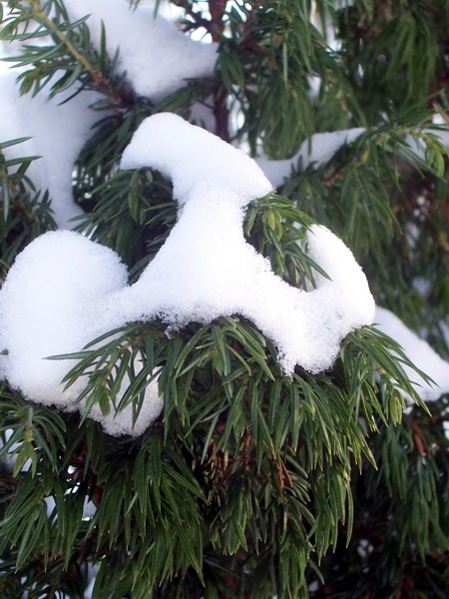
<point>48,306</point>
<point>64,290</point>
<point>156,56</point>
<point>58,133</point>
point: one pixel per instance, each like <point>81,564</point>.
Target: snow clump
<point>50,304</point>
<point>156,56</point>
<point>65,290</point>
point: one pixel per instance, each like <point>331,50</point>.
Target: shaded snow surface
<point>317,151</point>
<point>57,131</point>
<point>419,352</point>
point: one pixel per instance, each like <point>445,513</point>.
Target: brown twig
<point>221,111</point>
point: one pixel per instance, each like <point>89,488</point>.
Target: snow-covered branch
<point>65,290</point>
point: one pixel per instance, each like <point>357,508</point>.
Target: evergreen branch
<point>248,474</point>
<point>54,28</point>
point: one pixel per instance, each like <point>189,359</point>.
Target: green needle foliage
<point>250,483</point>
<point>24,213</point>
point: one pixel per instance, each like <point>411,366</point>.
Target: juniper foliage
<point>251,484</point>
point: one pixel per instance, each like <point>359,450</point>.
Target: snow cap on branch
<point>192,158</point>
<point>156,56</point>
<point>76,289</point>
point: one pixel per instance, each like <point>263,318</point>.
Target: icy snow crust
<point>65,290</point>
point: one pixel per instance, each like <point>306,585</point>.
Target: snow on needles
<point>156,56</point>
<point>58,133</point>
<point>420,353</point>
<point>64,290</point>
<point>318,150</point>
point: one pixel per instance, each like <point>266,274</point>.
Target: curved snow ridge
<point>207,263</point>
<point>197,161</point>
<point>64,290</point>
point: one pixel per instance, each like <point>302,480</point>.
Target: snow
<point>323,146</point>
<point>316,151</point>
<point>194,158</point>
<point>64,290</point>
<point>206,268</point>
<point>156,56</point>
<point>420,353</point>
<point>58,133</point>
<point>48,306</point>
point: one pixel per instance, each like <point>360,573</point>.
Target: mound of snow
<point>64,290</point>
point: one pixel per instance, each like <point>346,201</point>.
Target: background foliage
<point>250,484</point>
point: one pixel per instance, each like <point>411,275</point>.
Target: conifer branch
<point>247,476</point>
<point>96,74</point>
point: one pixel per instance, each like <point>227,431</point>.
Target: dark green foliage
<point>134,213</point>
<point>24,213</point>
<point>394,54</point>
<point>250,484</point>
<point>401,523</point>
<point>246,467</point>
